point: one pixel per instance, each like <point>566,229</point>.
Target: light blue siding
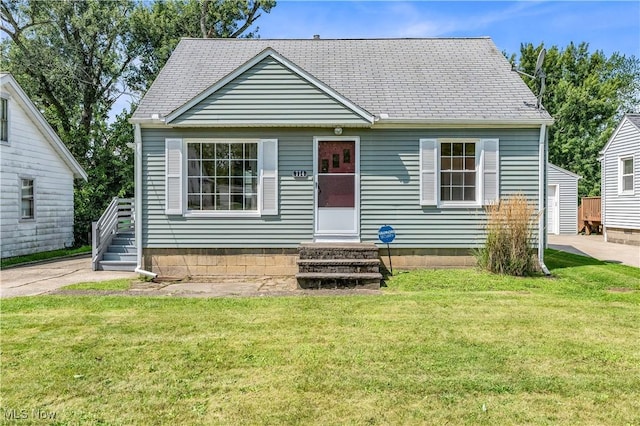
<point>268,94</point>
<point>390,190</point>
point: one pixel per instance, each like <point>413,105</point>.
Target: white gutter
<point>137,138</point>
<point>542,186</point>
<point>516,122</point>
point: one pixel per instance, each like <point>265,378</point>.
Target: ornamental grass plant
<point>510,231</point>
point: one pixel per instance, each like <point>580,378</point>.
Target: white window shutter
<point>173,171</point>
<point>490,170</point>
<point>428,172</point>
<point>269,176</point>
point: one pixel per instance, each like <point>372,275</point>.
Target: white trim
<point>435,147</point>
<point>43,126</point>
<point>269,52</point>
<point>332,236</point>
<point>615,134</point>
<point>561,170</point>
<point>435,123</point>
<point>20,199</point>
<point>479,171</point>
<point>542,197</point>
<point>137,200</point>
<point>556,210</point>
<point>621,159</point>
<point>260,211</point>
<point>6,97</point>
<point>174,146</point>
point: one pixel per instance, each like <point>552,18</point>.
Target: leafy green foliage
<point>586,93</point>
<point>158,27</point>
<point>76,58</point>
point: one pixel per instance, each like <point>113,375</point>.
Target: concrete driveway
<point>595,246</point>
<point>30,280</point>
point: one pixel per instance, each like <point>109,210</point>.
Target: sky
<point>610,26</point>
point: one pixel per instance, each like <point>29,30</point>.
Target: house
<point>562,201</point>
<point>620,187</point>
<point>37,176</point>
<point>246,148</point>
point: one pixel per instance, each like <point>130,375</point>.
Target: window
<point>4,120</point>
<point>458,172</point>
<point>626,175</point>
<point>27,209</point>
<point>222,176</point>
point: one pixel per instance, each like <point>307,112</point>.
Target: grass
<point>11,261</point>
<point>435,348</point>
<point>110,285</point>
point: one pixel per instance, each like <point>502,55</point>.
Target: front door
<point>337,189</point>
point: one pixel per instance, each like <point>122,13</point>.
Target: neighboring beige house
<point>37,174</point>
<point>620,165</point>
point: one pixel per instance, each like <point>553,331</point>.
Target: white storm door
<point>336,175</point>
<point>552,210</point>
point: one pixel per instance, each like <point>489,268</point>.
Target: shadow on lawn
<point>558,259</point>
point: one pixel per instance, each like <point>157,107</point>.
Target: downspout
<point>542,190</point>
<point>137,138</point>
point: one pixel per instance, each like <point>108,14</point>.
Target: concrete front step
<point>336,265</point>
<point>127,257</point>
<point>116,265</point>
<point>314,280</point>
<point>121,249</point>
<point>339,266</point>
<point>337,251</point>
<point>123,241</point>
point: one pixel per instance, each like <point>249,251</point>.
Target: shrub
<point>509,228</point>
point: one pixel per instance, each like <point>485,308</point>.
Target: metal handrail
<point>117,217</point>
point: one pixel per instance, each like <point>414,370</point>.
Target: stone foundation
<point>404,259</point>
<point>212,264</point>
<point>219,263</point>
<point>623,236</point>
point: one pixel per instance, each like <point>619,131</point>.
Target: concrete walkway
<point>31,280</point>
<point>595,246</point>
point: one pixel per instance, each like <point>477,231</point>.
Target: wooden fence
<point>590,215</point>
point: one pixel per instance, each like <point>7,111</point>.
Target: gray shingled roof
<point>412,79</point>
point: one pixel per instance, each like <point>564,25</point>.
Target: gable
<point>17,97</point>
<point>625,137</point>
<point>269,93</point>
<point>395,82</point>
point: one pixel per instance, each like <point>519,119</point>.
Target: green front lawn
<point>45,255</point>
<point>438,347</point>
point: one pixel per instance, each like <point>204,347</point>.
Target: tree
<point>75,58</point>
<point>159,27</point>
<point>586,93</point>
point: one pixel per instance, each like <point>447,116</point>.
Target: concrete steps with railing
<point>120,254</point>
<point>114,247</point>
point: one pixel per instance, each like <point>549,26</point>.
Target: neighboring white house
<point>562,201</point>
<point>36,178</point>
<point>620,165</point>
